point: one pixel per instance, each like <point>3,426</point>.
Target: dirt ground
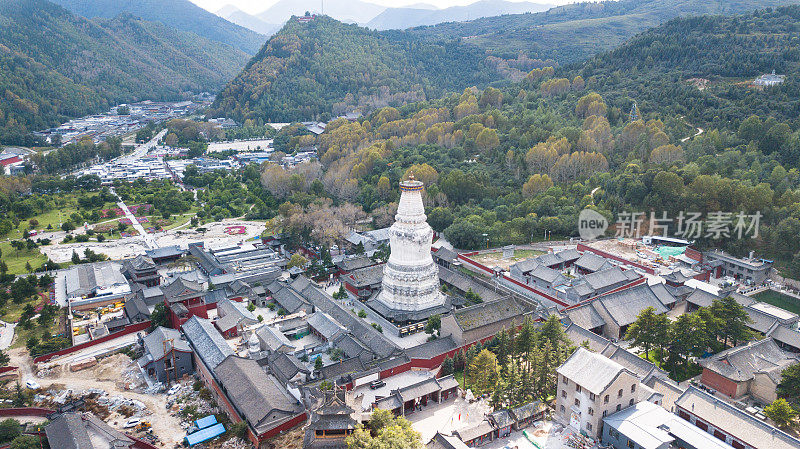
<point>625,248</point>
<point>128,247</point>
<point>495,258</point>
<point>292,439</point>
<point>107,375</point>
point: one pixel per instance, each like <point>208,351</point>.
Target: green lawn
<point>21,334</point>
<point>526,253</point>
<point>778,299</point>
<point>15,260</point>
<point>67,204</point>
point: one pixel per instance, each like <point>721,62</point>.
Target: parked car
<point>173,390</point>
<point>32,384</point>
<point>375,384</point>
<point>131,423</point>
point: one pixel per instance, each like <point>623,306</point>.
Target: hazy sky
<point>257,6</point>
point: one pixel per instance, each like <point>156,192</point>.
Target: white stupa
<point>410,290</point>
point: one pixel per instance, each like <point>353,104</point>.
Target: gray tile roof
<point>366,277</point>
<point>366,334</point>
<point>578,334</point>
<point>255,394</point>
<point>441,441</point>
<point>585,316</point>
<point>273,339</point>
<point>447,382</point>
<point>418,389</point>
<point>181,289</point>
<point>432,348</point>
<point>336,370</point>
<point>353,348</point>
<point>607,278</point>
<point>528,410</point>
<point>663,295</point>
<point>591,262</point>
<point>760,321</point>
<point>632,362</point>
<point>390,402</point>
<point>501,418</point>
<point>549,260</point>
<point>526,265</point>
<point>290,300</point>
<point>742,362</point>
<point>286,366</point>
<point>786,335</point>
<point>701,298</point>
<point>233,314</point>
<point>547,275</point>
<point>206,341</point>
<point>625,305</point>
<point>446,254</point>
<point>722,415</point>
<point>154,342</point>
<point>68,432</point>
<point>569,255</point>
<point>75,430</point>
<point>591,371</point>
<point>487,313</point>
<point>135,307</point>
<point>676,277</point>
<point>142,263</point>
<point>165,251</point>
<point>354,263</point>
<point>473,431</point>
<point>325,325</point>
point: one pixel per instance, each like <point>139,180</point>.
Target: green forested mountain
<point>55,65</point>
<point>578,31</point>
<point>657,68</point>
<point>179,14</point>
<point>513,163</point>
<point>314,69</point>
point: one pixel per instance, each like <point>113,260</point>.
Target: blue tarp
<point>202,423</point>
<point>205,434</point>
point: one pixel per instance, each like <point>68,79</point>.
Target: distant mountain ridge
<point>402,18</point>
<point>80,66</point>
<point>577,31</point>
<point>348,11</point>
<point>235,15</point>
<point>180,14</point>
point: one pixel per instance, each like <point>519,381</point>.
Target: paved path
<point>6,334</point>
<point>148,239</point>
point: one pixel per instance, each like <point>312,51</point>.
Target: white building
<point>410,287</point>
<point>769,80</point>
<point>92,285</point>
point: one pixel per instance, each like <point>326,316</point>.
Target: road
<point>137,153</point>
<point>699,131</point>
<point>148,239</point>
<point>142,149</point>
